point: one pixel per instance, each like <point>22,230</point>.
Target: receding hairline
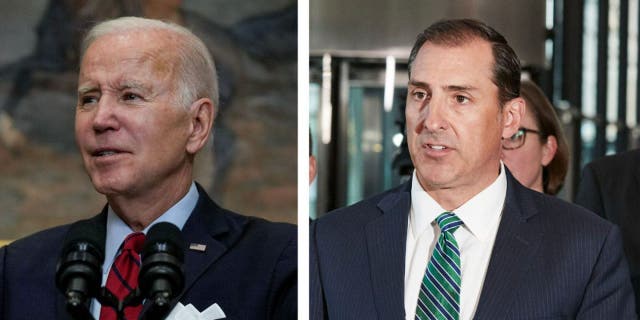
<point>156,52</point>
<point>128,25</point>
<point>457,38</point>
<point>506,66</point>
<point>196,71</point>
<point>461,43</point>
<point>467,41</point>
<point>159,47</point>
<point>164,36</point>
<point>449,45</point>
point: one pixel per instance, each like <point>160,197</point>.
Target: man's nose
<point>435,115</point>
<point>106,116</point>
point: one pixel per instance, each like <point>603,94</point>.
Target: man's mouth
<point>105,152</point>
<point>436,147</point>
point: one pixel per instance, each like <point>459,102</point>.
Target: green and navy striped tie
<point>439,296</point>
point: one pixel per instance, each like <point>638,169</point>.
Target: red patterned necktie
<point>123,277</point>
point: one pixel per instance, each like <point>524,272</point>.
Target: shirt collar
<point>117,230</point>
<point>483,211</point>
<point>478,214</point>
<point>427,207</point>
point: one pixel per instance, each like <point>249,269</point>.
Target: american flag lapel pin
<point>197,247</point>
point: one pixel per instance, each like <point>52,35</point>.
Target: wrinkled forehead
<point>142,45</point>
<point>140,36</point>
<point>146,47</point>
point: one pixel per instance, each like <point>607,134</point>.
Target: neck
<point>452,197</point>
<point>141,210</point>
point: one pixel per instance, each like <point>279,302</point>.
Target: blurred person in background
<point>610,187</point>
<point>538,154</point>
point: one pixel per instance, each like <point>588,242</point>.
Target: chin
<point>438,184</point>
<point>105,189</point>
<point>434,179</point>
<point>108,185</point>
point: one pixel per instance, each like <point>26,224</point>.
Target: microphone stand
<point>76,306</point>
<point>106,298</point>
<point>80,311</point>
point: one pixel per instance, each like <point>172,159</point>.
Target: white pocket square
<point>189,312</point>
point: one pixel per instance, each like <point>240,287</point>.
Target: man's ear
<point>512,115</point>
<point>201,113</point>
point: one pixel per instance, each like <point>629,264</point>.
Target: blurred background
<point>583,54</point>
<point>247,166</point>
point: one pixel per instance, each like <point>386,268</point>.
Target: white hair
<point>196,71</point>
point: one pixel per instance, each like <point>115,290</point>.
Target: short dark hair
<point>506,65</point>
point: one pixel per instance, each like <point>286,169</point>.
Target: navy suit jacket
<point>610,187</point>
<point>249,268</point>
<point>550,260</point>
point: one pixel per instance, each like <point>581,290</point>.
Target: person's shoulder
<point>256,225</point>
<point>267,240</point>
<point>280,232</point>
<point>361,212</point>
<point>617,162</point>
<point>557,213</point>
<point>212,213</point>
<point>38,252</point>
<point>43,240</point>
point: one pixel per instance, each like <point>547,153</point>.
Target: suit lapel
<point>386,238</point>
<point>196,232</point>
<point>513,252</point>
<point>206,226</point>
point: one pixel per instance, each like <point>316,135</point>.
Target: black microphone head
<point>88,235</point>
<point>79,269</point>
<point>164,237</point>
<point>161,275</point>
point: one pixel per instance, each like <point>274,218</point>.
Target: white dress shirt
<point>481,217</point>
<point>117,231</point>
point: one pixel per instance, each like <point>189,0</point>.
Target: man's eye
<point>87,100</point>
<point>130,96</point>
<point>461,99</point>
<point>420,95</point>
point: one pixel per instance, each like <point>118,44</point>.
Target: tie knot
<point>448,222</point>
<point>134,241</point>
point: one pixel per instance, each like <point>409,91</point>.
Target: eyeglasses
<point>517,140</point>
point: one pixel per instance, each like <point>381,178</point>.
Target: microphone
<point>79,269</point>
<point>161,276</point>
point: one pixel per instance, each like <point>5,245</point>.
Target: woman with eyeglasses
<point>538,154</point>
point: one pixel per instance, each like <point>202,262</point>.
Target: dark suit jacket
<point>550,260</point>
<point>249,268</point>
<point>610,187</point>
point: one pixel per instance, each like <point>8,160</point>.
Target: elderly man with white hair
<point>147,98</point>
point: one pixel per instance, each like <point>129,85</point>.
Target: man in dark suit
<point>147,94</point>
<point>610,187</point>
<point>463,239</point>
